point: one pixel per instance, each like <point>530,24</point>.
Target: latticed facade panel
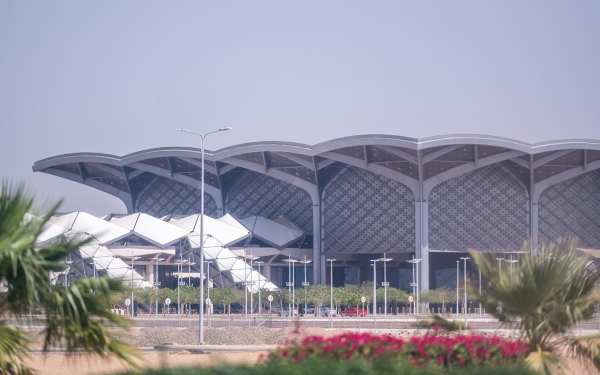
<point>257,194</point>
<point>166,197</point>
<point>486,209</point>
<point>364,212</point>
<point>572,209</point>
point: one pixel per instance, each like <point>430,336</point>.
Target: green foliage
<point>550,291</point>
<point>75,315</point>
<point>379,367</point>
<point>224,296</point>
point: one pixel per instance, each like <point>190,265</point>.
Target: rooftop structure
<point>356,198</point>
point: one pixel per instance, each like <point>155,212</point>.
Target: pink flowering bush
<point>425,351</point>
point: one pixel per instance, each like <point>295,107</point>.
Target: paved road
<point>391,322</point>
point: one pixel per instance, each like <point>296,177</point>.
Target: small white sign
<point>168,301</point>
<point>208,301</point>
<point>363,299</point>
<point>410,298</point>
<point>127,302</point>
<point>270,298</point>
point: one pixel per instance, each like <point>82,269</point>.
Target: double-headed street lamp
<point>201,292</point>
<point>415,284</point>
<point>385,282</point>
<point>465,260</point>
<point>305,283</point>
<point>292,282</point>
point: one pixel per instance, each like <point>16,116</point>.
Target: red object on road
<point>354,312</point>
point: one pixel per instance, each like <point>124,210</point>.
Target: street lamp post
<point>511,261</point>
<point>201,292</point>
<point>375,287</point>
<point>305,283</point>
<point>385,282</point>
<point>179,283</point>
<point>415,284</point>
<point>500,265</point>
<point>132,283</point>
<point>331,292</point>
<point>293,282</point>
<point>480,312</point>
<point>457,281</point>
<point>190,264</point>
<point>156,285</point>
<point>208,309</point>
<point>247,283</point>
<point>252,282</point>
<point>465,262</point>
<point>259,300</point>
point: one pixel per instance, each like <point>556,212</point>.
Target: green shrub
<point>315,367</point>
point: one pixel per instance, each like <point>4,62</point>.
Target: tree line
<point>318,295</point>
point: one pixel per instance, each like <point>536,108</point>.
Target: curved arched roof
<point>418,163</point>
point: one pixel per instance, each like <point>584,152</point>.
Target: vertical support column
<point>150,273</point>
<point>266,271</point>
<point>317,259</point>
<point>533,206</point>
<point>424,249</point>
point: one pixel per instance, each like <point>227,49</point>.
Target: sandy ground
<point>58,364</point>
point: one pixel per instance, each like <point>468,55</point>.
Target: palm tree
<point>75,316</point>
<point>551,290</point>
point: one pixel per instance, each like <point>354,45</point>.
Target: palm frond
<point>544,362</point>
<point>12,351</point>
<point>77,316</point>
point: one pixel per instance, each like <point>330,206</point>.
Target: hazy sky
<point>119,76</point>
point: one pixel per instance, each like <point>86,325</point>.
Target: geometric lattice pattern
<point>445,278</point>
<point>405,277</point>
<point>364,212</point>
<point>572,209</point>
<point>169,197</point>
<point>484,209</point>
<point>257,194</point>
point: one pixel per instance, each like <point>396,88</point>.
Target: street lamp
<point>511,261</point>
<point>207,287</point>
<point>293,263</point>
<point>465,260</point>
<point>190,264</point>
<point>500,265</point>
<point>331,292</point>
<point>132,284</point>
<point>179,283</point>
<point>305,283</point>
<point>259,300</point>
<point>457,281</point>
<point>375,287</point>
<point>156,285</point>
<point>247,283</point>
<point>201,292</point>
<point>385,282</point>
<point>415,284</point>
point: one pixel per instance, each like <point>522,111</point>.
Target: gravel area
<point>151,336</point>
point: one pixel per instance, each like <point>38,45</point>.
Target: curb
<point>217,348</point>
